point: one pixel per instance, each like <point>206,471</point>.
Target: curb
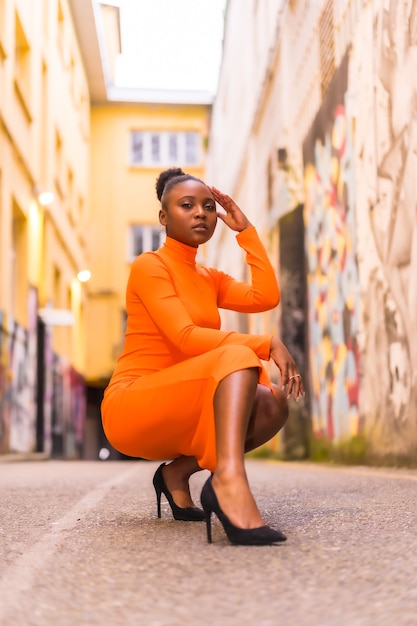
<point>23,456</point>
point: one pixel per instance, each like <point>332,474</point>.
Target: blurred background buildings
<point>313,131</point>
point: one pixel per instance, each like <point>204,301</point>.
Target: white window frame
<point>150,148</point>
<point>148,234</point>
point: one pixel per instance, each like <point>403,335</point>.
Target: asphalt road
<point>80,543</point>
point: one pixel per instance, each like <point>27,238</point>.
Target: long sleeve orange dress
<point>159,401</point>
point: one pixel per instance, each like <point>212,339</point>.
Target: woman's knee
<point>269,416</point>
<point>271,410</point>
<point>280,404</point>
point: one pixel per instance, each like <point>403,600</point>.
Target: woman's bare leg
<point>233,403</point>
<point>269,415</point>
<point>176,476</point>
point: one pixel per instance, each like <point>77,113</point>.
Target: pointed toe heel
<point>262,536</point>
<point>187,514</point>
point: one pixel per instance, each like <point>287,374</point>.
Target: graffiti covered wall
<point>332,275</point>
<point>18,354</point>
<point>68,406</point>
<point>42,397</point>
<point>17,388</point>
<point>360,164</point>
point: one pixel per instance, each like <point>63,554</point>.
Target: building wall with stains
<point>44,240</point>
<point>385,111</point>
<point>334,130</point>
<point>42,397</point>
<point>17,388</point>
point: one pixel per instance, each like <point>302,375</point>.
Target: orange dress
<point>159,401</point>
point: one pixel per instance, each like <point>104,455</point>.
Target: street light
<point>84,276</point>
<point>45,198</point>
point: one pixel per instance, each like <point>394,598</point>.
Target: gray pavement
<point>80,544</point>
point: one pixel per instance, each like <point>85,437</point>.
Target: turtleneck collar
<point>180,251</point>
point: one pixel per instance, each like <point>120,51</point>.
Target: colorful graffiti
<point>67,410</point>
<point>361,238</point>
<point>332,276</point>
<point>42,397</point>
<point>17,388</point>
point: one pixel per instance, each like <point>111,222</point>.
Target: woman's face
<point>190,215</point>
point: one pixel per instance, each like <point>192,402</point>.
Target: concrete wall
<point>326,119</point>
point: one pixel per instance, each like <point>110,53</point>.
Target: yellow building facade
<point>44,153</point>
<point>130,144</point>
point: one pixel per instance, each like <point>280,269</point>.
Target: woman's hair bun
<point>164,177</point>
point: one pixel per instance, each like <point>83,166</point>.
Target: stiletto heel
<point>208,526</point>
<point>262,536</point>
<point>158,501</point>
<point>187,514</point>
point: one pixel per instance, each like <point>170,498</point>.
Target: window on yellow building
<point>57,288</point>
<point>70,193</point>
<point>143,238</point>
<point>46,10</point>
<point>155,148</point>
<point>84,103</point>
<point>44,120</point>
<point>191,147</point>
<point>19,258</point>
<point>173,147</point>
<point>164,148</point>
<point>21,62</point>
<point>80,208</point>
<point>73,81</point>
<point>60,29</point>
<point>2,48</point>
<point>136,149</point>
<point>59,165</point>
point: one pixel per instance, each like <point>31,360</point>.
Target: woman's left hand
<point>290,377</point>
<point>234,218</point>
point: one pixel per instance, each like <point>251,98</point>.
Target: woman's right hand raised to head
<point>290,376</point>
<point>234,218</point>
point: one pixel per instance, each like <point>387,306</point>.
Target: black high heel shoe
<point>262,536</point>
<point>188,514</point>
